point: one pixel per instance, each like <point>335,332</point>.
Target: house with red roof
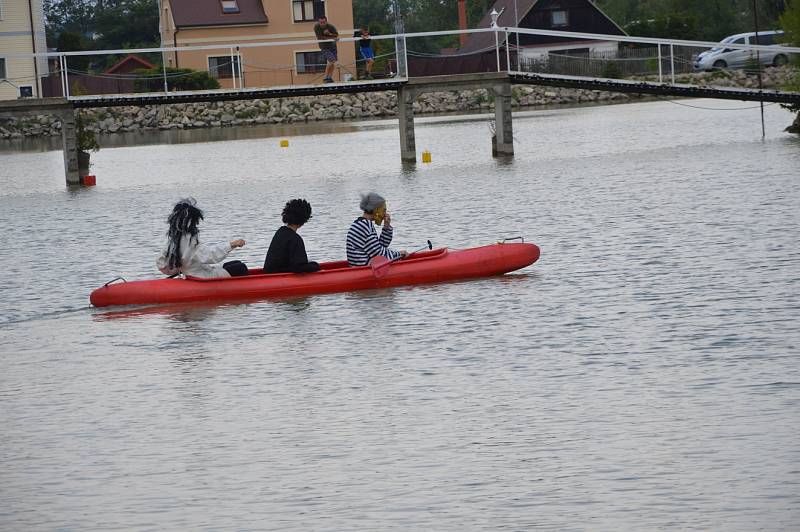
<point>128,64</point>
<point>478,54</point>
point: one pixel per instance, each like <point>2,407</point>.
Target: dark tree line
<point>102,24</point>
<point>708,20</point>
<point>113,24</point>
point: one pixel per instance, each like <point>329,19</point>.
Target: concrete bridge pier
<point>503,143</point>
<point>497,82</point>
<point>69,138</point>
<point>405,114</point>
<point>54,106</point>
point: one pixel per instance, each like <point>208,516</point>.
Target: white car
<point>722,57</point>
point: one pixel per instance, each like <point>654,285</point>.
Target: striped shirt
<point>363,242</point>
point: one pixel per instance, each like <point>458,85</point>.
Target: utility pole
<point>758,63</point>
<point>400,42</point>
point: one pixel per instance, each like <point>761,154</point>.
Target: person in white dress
<point>185,254</point>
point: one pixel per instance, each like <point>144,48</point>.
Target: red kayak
<point>433,266</point>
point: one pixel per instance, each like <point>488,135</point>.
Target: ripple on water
<point>640,375</point>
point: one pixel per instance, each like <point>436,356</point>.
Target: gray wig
<point>371,201</point>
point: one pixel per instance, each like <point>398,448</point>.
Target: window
<point>309,62</point>
<point>222,67</point>
<point>740,40</point>
<point>2,68</point>
<point>230,6</point>
<point>766,40</point>
<point>307,10</point>
<point>26,91</point>
<point>559,19</point>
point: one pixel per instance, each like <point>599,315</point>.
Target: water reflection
<point>649,347</point>
<point>196,310</point>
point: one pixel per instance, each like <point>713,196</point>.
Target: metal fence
<point>624,62</point>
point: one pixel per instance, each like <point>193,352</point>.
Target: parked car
<point>722,57</point>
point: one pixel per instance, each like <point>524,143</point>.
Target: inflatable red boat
<point>433,266</point>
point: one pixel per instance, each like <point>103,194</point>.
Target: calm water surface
<point>643,375</point>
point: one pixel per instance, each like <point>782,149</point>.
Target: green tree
<point>712,20</point>
<point>75,16</point>
<point>69,41</point>
<point>790,23</point>
<point>416,15</point>
<point>476,9</point>
<point>127,24</point>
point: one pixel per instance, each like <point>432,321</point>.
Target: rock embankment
<point>343,107</point>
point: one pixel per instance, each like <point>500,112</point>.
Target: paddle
<point>380,264</point>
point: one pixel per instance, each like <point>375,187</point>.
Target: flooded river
<point>642,375</point>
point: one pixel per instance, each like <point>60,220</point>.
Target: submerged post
<point>504,135</point>
<point>405,114</point>
<point>69,139</point>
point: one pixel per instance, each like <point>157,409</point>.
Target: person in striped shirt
<point>363,242</point>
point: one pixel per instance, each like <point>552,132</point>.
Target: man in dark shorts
<point>325,31</point>
<point>365,48</point>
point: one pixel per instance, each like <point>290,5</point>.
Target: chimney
<point>462,21</point>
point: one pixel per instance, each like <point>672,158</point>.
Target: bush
<point>611,70</point>
<point>651,65</point>
<point>752,66</point>
<point>793,86</point>
<point>85,139</point>
<point>181,79</point>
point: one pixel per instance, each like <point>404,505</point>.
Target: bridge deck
<point>443,83</point>
<point>660,89</point>
<point>287,91</point>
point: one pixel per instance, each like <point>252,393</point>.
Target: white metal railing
<point>401,51</point>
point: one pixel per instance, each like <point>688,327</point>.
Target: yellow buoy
<point>284,143</point>
<point>426,156</point>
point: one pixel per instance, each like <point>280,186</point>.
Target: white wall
<point>15,38</point>
<point>595,47</point>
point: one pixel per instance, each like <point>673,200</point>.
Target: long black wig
<point>182,221</point>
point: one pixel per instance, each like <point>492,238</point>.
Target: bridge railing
<point>668,61</point>
<point>240,66</point>
<point>249,66</point>
<point>652,59</point>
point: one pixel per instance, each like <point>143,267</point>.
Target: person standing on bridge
<point>365,47</point>
<point>327,32</point>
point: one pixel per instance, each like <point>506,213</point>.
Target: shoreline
<point>106,123</point>
<point>153,137</point>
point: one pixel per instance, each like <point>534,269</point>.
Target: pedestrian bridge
<point>440,83</point>
<point>650,66</point>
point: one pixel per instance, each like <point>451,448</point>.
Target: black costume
<point>287,253</point>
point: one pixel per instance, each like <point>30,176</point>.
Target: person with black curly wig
<point>287,252</point>
<point>187,255</point>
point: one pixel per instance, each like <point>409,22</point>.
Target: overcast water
<point>642,375</point>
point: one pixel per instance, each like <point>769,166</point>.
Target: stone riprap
<point>344,106</point>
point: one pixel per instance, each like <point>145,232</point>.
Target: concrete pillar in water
<point>504,135</point>
<point>405,114</point>
<point>70,142</point>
